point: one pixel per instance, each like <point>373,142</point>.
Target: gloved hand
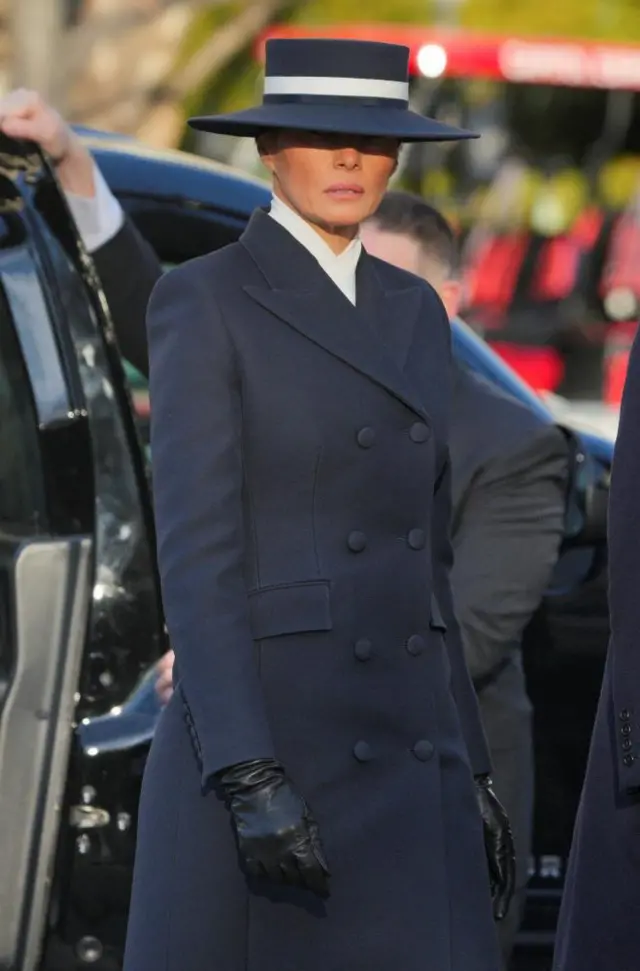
<point>277,835</point>
<point>499,848</point>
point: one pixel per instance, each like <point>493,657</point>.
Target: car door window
<point>126,623</point>
<point>22,493</point>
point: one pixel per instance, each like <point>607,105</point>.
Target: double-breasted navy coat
<point>599,926</point>
<point>301,483</point>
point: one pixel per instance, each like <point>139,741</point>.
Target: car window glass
<point>126,626</point>
<point>22,494</point>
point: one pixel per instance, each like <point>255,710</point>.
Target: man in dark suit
<point>508,489</point>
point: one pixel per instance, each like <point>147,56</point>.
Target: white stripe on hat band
<point>347,87</point>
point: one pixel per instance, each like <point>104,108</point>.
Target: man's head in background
<point>408,232</point>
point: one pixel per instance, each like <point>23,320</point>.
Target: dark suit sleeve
<point>506,546</point>
<point>463,690</point>
<point>128,269</point>
<point>197,469</point>
<point>624,583</point>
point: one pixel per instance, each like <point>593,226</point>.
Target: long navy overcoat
<point>599,927</point>
<point>301,486</point>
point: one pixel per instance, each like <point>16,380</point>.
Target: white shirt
<point>340,267</point>
<point>98,217</point>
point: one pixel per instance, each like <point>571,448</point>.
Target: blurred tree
<point>120,64</point>
<point>613,20</point>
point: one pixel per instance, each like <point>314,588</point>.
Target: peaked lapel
<point>300,293</point>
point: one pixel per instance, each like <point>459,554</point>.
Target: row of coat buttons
<point>418,433</point>
<point>363,649</point>
<point>423,750</point>
<point>357,540</point>
<point>625,731</point>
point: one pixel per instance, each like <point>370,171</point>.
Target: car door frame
<point>46,579</point>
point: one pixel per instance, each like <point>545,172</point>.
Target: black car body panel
<point>93,494</point>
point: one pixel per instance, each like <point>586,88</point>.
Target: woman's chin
<point>344,212</point>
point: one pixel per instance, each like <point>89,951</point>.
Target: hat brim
<point>369,120</point>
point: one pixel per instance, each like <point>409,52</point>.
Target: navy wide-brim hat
<point>349,87</point>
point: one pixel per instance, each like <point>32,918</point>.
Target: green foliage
<point>613,20</point>
<point>319,12</point>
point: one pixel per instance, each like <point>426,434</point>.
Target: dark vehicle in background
<point>80,614</point>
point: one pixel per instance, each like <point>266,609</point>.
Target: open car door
<point>80,617</point>
<point>46,540</point>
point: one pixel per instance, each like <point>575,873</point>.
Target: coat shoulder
<point>210,268</point>
<point>196,290</point>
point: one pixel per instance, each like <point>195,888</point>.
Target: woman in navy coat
<point>309,800</point>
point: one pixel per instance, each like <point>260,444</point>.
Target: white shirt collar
<point>340,267</point>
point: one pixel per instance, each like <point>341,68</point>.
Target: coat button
<point>416,539</point>
<point>625,730</point>
<point>366,437</point>
<point>628,760</point>
<point>423,750</point>
<point>363,649</point>
<point>627,744</point>
<point>415,645</point>
<point>356,541</point>
<point>419,432</point>
<point>625,715</point>
<point>362,752</point>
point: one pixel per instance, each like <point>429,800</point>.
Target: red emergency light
<point>437,52</point>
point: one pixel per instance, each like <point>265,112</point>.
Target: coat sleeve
<point>197,472</point>
<point>463,690</point>
<point>515,505</point>
<point>624,582</point>
<point>128,269</point>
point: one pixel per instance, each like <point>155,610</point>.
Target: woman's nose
<point>347,158</point>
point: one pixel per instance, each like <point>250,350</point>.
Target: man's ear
<point>451,296</point>
<point>267,144</point>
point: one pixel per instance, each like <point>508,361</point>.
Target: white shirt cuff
<point>98,217</point>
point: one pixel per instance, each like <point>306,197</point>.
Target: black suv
<point>80,614</point>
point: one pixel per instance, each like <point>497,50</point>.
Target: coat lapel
<point>301,294</point>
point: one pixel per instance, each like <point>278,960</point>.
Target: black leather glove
<point>498,842</point>
<point>277,835</point>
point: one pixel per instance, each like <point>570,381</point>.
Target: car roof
<point>135,169</point>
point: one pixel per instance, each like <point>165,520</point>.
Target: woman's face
<point>334,182</point>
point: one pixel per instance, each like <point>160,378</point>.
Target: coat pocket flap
<point>437,620</point>
<point>292,608</point>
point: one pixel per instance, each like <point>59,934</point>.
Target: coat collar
<point>373,337</point>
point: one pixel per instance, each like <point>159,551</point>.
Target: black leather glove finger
<point>275,830</point>
<point>314,875</point>
<point>312,864</point>
<point>498,841</point>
